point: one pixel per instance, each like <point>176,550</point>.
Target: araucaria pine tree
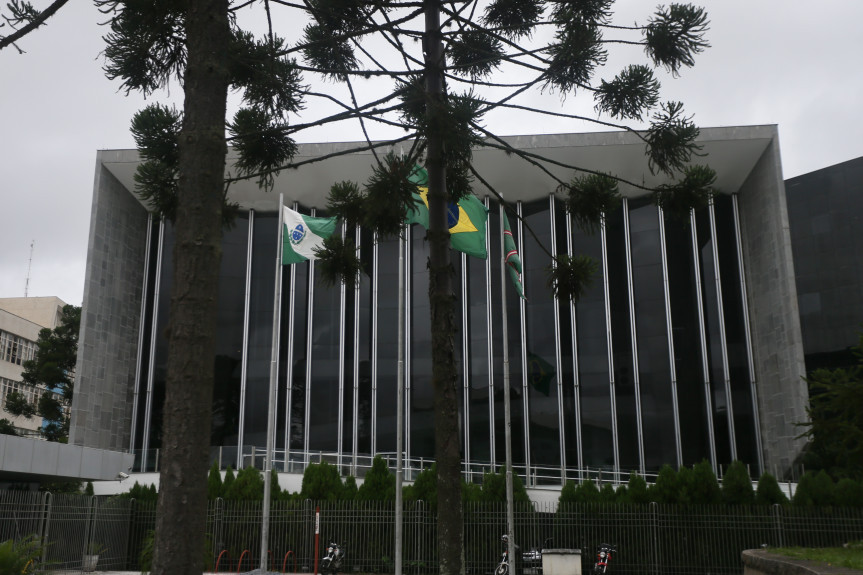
<point>429,68</point>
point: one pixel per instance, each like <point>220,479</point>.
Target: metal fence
<point>651,539</point>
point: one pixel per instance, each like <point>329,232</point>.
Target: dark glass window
<point>140,419</point>
<point>229,332</point>
<point>692,406</point>
<point>592,347</point>
<point>298,323</point>
<point>264,245</point>
<point>160,368</point>
<point>422,442</point>
<point>714,341</point>
<point>478,386</point>
<point>364,344</point>
<point>324,393</point>
<point>542,369</point>
<point>567,378</point>
<point>624,380</point>
<point>387,340</point>
<point>735,333</point>
<point>657,413</point>
<point>514,349</point>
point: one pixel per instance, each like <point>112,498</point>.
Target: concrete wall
<point>107,349</point>
<point>44,311</point>
<point>776,338</point>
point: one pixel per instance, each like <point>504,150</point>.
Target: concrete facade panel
<point>111,310</point>
<point>775,322</point>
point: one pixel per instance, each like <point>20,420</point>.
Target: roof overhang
<point>731,151</point>
<point>24,460</point>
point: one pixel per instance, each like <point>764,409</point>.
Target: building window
<point>14,349</point>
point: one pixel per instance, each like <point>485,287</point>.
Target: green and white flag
<point>302,235</point>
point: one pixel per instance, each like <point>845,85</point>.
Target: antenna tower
<point>29,265</point>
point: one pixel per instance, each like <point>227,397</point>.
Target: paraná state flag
<point>466,219</point>
<point>301,235</point>
<point>510,257</point>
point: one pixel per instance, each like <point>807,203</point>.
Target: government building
<point>686,346</point>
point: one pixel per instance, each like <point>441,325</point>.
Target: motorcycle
<point>503,566</point>
<point>531,560</point>
<point>603,557</point>
<point>333,559</point>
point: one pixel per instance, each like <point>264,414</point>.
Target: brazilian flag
<point>466,218</point>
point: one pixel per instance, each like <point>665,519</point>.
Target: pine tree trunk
<point>442,302</point>
<point>182,508</point>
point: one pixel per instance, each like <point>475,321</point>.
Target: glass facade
<point>651,366</point>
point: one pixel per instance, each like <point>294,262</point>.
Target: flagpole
<point>400,410</point>
<point>510,515</point>
<point>271,411</point>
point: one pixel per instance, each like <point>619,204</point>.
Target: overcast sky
<point>786,62</point>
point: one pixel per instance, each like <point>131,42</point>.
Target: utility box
<point>561,562</point>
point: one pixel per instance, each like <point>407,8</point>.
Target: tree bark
<point>442,302</point>
<point>182,507</point>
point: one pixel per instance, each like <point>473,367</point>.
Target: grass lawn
<point>850,556</point>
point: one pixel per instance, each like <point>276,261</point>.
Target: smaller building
<point>21,320</point>
<point>825,215</point>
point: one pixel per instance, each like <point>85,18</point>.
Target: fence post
<point>45,527</point>
<point>655,524</point>
<point>777,513</point>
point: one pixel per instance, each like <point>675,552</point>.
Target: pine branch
<point>31,25</point>
<point>316,159</point>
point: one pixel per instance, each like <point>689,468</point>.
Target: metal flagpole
<point>400,410</point>
<point>271,411</point>
<point>510,515</point>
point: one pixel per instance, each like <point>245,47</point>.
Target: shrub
<point>768,491</point>
<point>567,493</point>
<point>20,556</point>
<point>249,486</point>
<point>705,487</point>
<point>737,485</point>
<point>494,488</point>
<point>814,489</point>
<point>214,482</point>
<point>349,489</point>
<point>636,491</point>
<point>666,488</point>
<point>424,487</point>
<point>607,494</point>
<point>379,483</point>
<point>849,493</point>
<point>321,482</point>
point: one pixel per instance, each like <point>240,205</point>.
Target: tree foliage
<point>835,426</point>
<point>51,376</point>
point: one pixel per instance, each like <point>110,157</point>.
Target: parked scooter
<point>603,557</point>
<point>333,559</point>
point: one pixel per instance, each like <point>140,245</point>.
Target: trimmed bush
<point>737,485</point>
<point>768,491</point>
